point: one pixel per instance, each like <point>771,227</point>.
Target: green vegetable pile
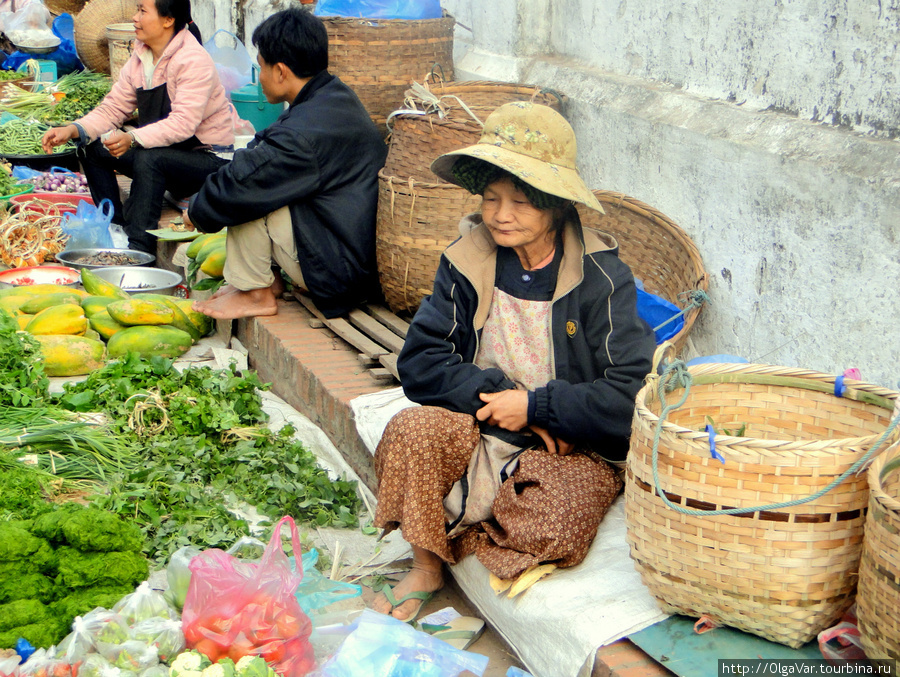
<point>206,449</point>
<point>83,91</point>
<point>23,137</point>
<point>61,565</point>
<point>8,75</point>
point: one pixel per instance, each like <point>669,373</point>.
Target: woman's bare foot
<point>426,575</point>
<point>224,289</point>
<point>235,304</point>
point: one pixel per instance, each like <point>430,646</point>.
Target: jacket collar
<point>176,43</point>
<point>475,256</point>
<point>315,83</point>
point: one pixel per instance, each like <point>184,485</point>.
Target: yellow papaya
<point>195,246</point>
<point>181,320</point>
<point>203,323</point>
<point>11,304</point>
<point>39,289</point>
<point>97,286</point>
<point>209,248</point>
<point>150,341</point>
<point>214,264</point>
<point>138,311</point>
<point>36,304</point>
<point>92,333</point>
<point>67,318</point>
<point>96,304</point>
<point>23,320</point>
<point>66,355</point>
<point>104,325</point>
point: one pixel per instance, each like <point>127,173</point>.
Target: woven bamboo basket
<point>380,58</point>
<point>91,42</point>
<point>657,250</point>
<point>414,224</point>
<point>784,573</point>
<point>449,116</point>
<point>878,597</point>
<point>64,6</point>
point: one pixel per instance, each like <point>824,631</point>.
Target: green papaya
<point>149,341</point>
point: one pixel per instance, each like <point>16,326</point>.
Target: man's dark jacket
<point>321,157</point>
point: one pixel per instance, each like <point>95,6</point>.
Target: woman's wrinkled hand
<point>507,409</point>
<point>117,143</point>
<point>555,445</point>
<point>57,136</point>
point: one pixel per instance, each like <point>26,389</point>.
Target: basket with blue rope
<point>745,492</point>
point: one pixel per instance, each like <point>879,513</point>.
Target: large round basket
<point>783,572</point>
<point>380,58</point>
<point>657,250</point>
<point>450,115</point>
<point>878,597</point>
<point>64,6</point>
<point>415,223</point>
<point>91,41</point>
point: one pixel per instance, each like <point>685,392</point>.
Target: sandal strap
<point>421,595</point>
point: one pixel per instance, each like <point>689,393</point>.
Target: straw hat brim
<point>550,178</point>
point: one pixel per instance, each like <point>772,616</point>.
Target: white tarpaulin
<point>573,611</point>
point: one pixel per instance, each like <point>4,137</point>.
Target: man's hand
<point>507,409</point>
<point>57,136</point>
<point>117,143</point>
<point>188,224</point>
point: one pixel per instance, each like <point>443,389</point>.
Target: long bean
<point>23,137</point>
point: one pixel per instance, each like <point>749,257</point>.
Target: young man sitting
<point>302,196</point>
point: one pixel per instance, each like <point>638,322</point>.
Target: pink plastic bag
<point>841,642</point>
<point>236,608</point>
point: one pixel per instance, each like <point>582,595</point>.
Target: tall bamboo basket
<point>783,573</point>
<point>415,222</point>
<point>658,251</point>
<point>91,42</point>
<point>120,38</point>
<point>878,598</point>
<point>440,117</point>
<point>380,58</point>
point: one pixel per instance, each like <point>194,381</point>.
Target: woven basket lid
<point>64,6</point>
<point>90,30</point>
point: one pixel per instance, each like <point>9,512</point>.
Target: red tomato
<point>241,646</point>
<point>274,653</point>
<point>209,648</point>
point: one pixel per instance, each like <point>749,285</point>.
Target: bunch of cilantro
<point>206,449</point>
<point>23,382</point>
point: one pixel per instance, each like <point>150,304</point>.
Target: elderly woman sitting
<point>527,357</point>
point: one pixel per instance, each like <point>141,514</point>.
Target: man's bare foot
<point>224,289</point>
<point>426,575</point>
<point>235,304</point>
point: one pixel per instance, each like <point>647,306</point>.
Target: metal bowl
<point>76,258</point>
<point>23,277</point>
<point>137,280</point>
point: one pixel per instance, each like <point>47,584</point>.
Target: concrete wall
<point>765,130</point>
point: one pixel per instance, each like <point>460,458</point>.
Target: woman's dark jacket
<point>601,349</point>
<point>321,157</point>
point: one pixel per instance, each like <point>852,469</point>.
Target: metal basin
<point>78,258</point>
<point>137,280</point>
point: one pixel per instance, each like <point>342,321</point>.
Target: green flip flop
<point>417,594</point>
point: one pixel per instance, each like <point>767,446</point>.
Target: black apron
<point>154,105</point>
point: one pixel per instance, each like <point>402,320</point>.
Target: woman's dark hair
<point>180,10</point>
<point>296,38</point>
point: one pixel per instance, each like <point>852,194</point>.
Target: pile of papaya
<point>206,254</point>
<point>79,329</point>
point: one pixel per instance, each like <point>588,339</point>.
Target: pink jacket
<point>199,104</point>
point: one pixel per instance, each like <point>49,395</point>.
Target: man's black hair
<point>180,10</point>
<point>296,38</point>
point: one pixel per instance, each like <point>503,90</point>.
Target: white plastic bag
<point>231,58</point>
<point>30,26</point>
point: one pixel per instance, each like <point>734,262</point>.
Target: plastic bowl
<point>24,189</point>
<point>62,200</point>
<point>76,258</point>
<point>22,277</point>
<point>137,280</point>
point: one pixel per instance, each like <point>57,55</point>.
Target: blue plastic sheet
<point>655,310</point>
<point>65,56</point>
<point>382,646</point>
<point>380,9</point>
<point>317,591</point>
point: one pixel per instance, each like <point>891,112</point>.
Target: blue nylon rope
<point>677,375</point>
<point>695,299</point>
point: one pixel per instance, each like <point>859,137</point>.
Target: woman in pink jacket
<point>183,119</point>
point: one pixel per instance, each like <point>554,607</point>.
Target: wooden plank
<point>389,362</point>
<point>342,328</point>
<point>380,374</point>
<point>389,320</point>
<point>374,329</point>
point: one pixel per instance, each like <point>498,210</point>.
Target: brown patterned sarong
<point>548,511</point>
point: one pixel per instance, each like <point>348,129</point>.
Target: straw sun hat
<point>532,142</point>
